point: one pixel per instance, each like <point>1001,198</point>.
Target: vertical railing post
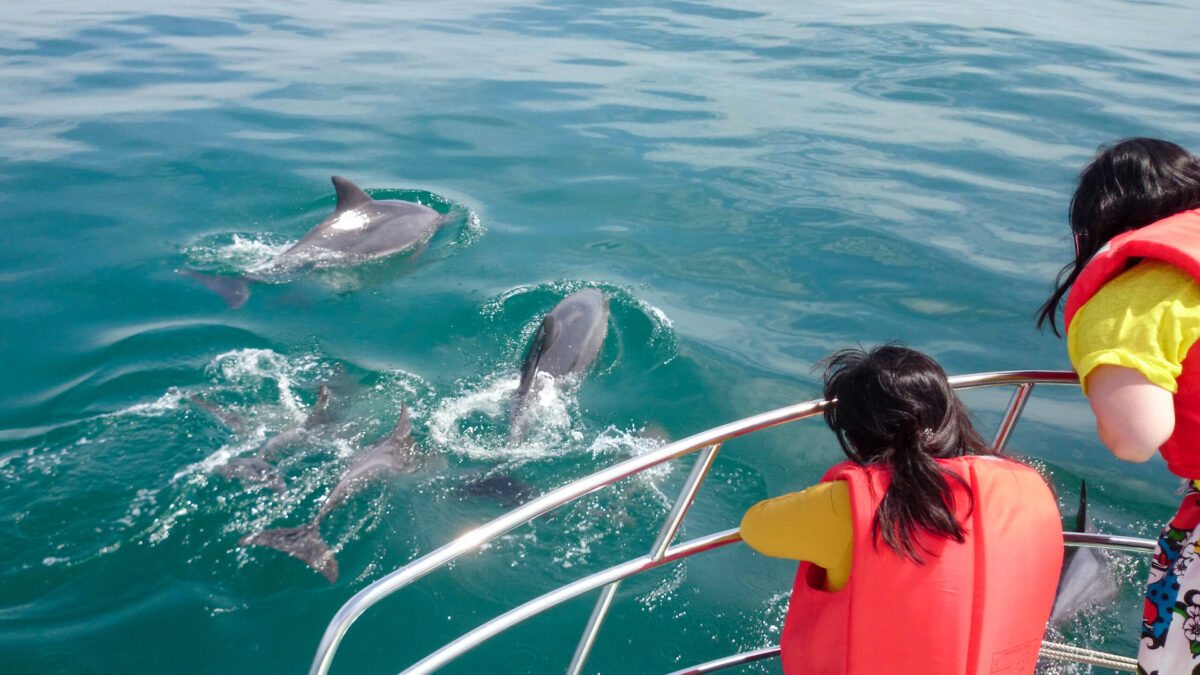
<point>665,536</point>
<point>1016,406</point>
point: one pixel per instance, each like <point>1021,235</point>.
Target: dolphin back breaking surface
<point>564,346</point>
<point>258,469</point>
<point>360,229</point>
<point>392,455</point>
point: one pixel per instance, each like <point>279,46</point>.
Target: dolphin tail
<point>235,290</point>
<point>302,542</point>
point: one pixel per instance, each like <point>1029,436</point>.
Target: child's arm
<point>1134,416</point>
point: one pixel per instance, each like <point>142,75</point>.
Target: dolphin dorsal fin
<point>349,195</point>
<point>403,425</point>
<point>320,411</point>
<point>1081,518</point>
<point>397,448</point>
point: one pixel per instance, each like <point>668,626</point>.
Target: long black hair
<point>1128,185</point>
<point>894,406</point>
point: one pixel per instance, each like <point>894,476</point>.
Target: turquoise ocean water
<point>752,184</point>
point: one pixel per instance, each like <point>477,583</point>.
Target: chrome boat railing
<point>662,552</point>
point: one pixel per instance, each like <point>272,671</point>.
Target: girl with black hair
<point>1132,317</point>
<point>925,552</point>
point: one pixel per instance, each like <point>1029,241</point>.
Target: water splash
<point>243,254</point>
<point>474,423</point>
<point>597,526</point>
<point>163,405</point>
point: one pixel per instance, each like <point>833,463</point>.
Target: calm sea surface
<point>752,184</point>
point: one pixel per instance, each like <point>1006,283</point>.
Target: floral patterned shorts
<point>1171,617</point>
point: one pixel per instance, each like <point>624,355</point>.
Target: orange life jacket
<point>1174,240</point>
<point>976,607</point>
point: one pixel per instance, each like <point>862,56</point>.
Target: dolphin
<point>257,469</point>
<point>393,454</point>
<point>503,488</point>
<point>253,470</point>
<point>358,230</point>
<point>232,421</point>
<point>564,347</point>
<point>1087,577</point>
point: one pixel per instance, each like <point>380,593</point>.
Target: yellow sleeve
<point>812,525</point>
<point>1146,319</point>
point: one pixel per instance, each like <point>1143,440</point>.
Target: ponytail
<point>919,499</point>
<point>895,407</point>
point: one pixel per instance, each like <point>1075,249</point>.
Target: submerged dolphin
<point>232,421</point>
<point>503,488</point>
<point>359,229</point>
<point>392,455</point>
<point>257,469</point>
<point>564,346</point>
<point>1087,577</point>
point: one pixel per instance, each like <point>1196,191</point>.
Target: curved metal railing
<point>708,443</point>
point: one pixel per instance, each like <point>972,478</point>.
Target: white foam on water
<point>773,615</point>
<point>472,231</point>
<point>599,521</point>
<point>162,528</point>
<point>664,591</point>
<point>246,369</point>
<point>166,403</point>
<point>344,448</point>
<point>661,320</point>
<point>246,253</point>
<point>615,444</point>
<point>144,502</point>
<point>405,387</point>
<point>46,460</point>
<point>475,423</point>
<point>253,366</point>
<point>210,463</point>
<point>488,402</point>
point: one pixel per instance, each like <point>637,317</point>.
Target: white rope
<point>1061,652</point>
